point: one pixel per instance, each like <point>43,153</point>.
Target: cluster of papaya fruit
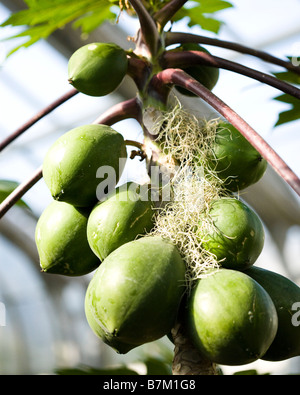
<point>240,313</point>
<point>234,315</point>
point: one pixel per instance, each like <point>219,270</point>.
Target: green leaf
<point>44,17</point>
<point>89,371</point>
<point>293,114</point>
<point>93,19</point>
<point>209,24</point>
<point>6,188</point>
<point>200,13</point>
<point>250,372</point>
<point>157,367</point>
<point>288,76</point>
<point>211,6</point>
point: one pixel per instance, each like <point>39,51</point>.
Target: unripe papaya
<point>235,160</point>
<point>121,218</point>
<point>62,242</point>
<point>97,69</point>
<point>207,76</point>
<point>135,293</point>
<point>236,234</point>
<point>285,294</point>
<point>230,318</point>
<point>72,168</point>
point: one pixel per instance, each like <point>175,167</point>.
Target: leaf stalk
<point>179,77</point>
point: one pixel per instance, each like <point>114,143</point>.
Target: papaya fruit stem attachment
<point>187,359</point>
<point>181,38</point>
<point>187,58</point>
<point>179,77</point>
<point>134,153</point>
<point>134,143</point>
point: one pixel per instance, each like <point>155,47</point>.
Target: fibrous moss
<point>187,142</point>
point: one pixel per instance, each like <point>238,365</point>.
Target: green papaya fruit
<point>236,234</point>
<point>119,219</point>
<point>235,160</point>
<point>97,69</point>
<point>230,318</point>
<point>207,76</point>
<point>80,160</point>
<point>135,293</point>
<point>62,242</point>
<point>284,294</point>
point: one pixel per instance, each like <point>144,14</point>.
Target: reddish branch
<point>165,14</point>
<point>47,110</point>
<point>179,77</point>
<point>181,38</point>
<point>119,112</point>
<point>148,27</point>
<point>20,191</point>
<point>184,59</point>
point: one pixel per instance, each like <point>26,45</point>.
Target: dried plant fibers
<point>194,185</point>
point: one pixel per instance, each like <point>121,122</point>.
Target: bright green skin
<point>230,318</point>
<point>237,237</point>
<point>135,293</point>
<point>119,219</point>
<point>284,293</point>
<point>70,166</point>
<point>97,69</point>
<point>62,242</point>
<point>235,160</point>
<point>207,76</point>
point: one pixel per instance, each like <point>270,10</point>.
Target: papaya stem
<point>181,38</point>
<point>121,111</point>
<point>188,58</point>
<point>148,27</point>
<point>128,109</point>
<point>141,153</point>
<point>165,14</point>
<point>134,143</point>
<point>47,110</point>
<point>139,71</point>
<point>18,193</point>
<point>187,359</point>
<point>179,77</point>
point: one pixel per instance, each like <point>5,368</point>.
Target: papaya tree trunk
<point>187,359</point>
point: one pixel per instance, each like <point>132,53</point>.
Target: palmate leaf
<point>292,114</point>
<point>44,17</point>
<point>200,13</point>
<point>6,188</point>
